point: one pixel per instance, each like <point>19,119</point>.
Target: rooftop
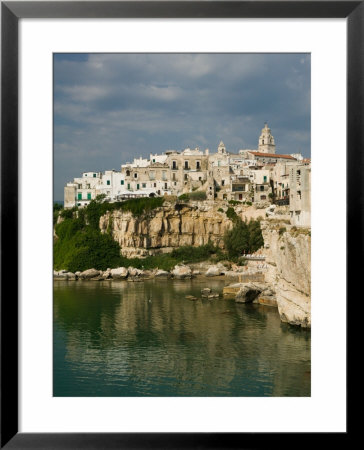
<point>272,155</point>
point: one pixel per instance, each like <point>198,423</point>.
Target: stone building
<point>300,195</point>
<point>266,141</point>
<point>249,175</point>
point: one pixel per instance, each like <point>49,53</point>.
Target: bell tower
<point>266,141</point>
<point>221,148</point>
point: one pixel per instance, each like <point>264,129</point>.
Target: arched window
<point>128,173</point>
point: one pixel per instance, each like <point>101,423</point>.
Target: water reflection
<point>145,338</point>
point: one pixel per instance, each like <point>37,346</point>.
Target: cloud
<point>109,108</point>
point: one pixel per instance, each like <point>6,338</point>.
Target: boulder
<point>181,272</point>
<point>205,291</point>
<point>106,275</point>
<point>249,292</point>
<point>191,297</point>
<point>119,273</point>
<point>147,274</point>
<point>133,272</point>
<point>162,274</point>
<point>213,271</point>
<point>71,276</point>
<point>89,273</point>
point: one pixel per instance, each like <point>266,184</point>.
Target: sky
<point>110,108</point>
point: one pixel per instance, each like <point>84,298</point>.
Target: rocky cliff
<point>167,227</point>
<point>288,256</point>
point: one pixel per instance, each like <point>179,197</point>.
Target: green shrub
<point>86,249</point>
<point>195,195</point>
<point>231,214</point>
<point>67,213</point>
<point>234,202</point>
<point>221,210</point>
<point>282,230</point>
<point>137,206</point>
<point>249,203</point>
<point>244,237</point>
<point>198,195</point>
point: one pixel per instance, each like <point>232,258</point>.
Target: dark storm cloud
<point>110,108</point>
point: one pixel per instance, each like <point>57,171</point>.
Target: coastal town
<point>250,176</point>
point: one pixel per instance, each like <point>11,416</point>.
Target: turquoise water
<point>118,338</point>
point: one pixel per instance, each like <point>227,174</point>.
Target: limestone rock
<point>71,276</point>
<point>89,273</point>
<point>162,274</point>
<point>288,257</point>
<point>213,271</point>
<point>205,292</point>
<point>107,274</point>
<point>64,275</point>
<point>167,227</point>
<point>249,292</point>
<point>119,273</point>
<point>181,272</point>
<point>133,272</point>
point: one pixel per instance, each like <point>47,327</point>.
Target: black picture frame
<point>11,12</point>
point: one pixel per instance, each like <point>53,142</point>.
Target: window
<point>262,188</point>
<point>122,182</point>
<point>94,175</point>
<point>173,176</point>
<point>137,185</point>
<point>240,196</point>
<point>165,185</point>
<point>88,186</point>
<point>186,165</point>
<point>164,175</point>
<point>88,195</point>
<point>144,185</point>
<point>186,176</point>
<point>128,173</point>
<point>223,183</point>
<point>154,160</point>
<point>198,167</point>
<point>135,175</point>
<point>155,184</point>
<point>108,182</point>
<point>263,197</point>
<point>129,186</point>
<point>174,165</point>
<point>152,175</point>
<point>265,179</point>
<point>79,196</point>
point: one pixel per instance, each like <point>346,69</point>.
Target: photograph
<point>181,225</point>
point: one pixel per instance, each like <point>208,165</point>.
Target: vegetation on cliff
<point>194,196</point>
<point>245,237</point>
<point>80,244</point>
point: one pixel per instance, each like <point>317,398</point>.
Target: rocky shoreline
<point>250,287</point>
<point>179,272</point>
